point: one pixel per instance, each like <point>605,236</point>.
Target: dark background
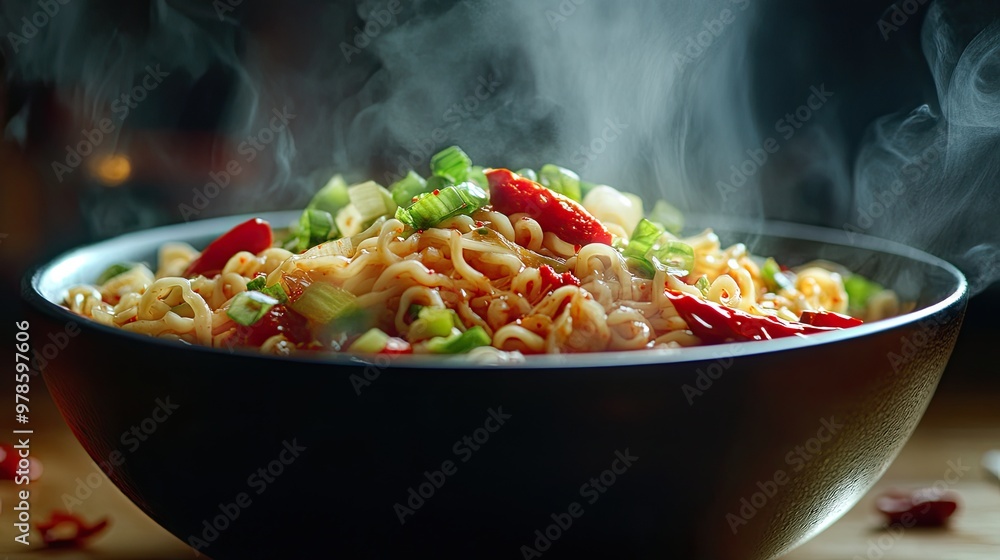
<point>794,45</point>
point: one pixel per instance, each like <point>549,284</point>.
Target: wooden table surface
<point>958,428</point>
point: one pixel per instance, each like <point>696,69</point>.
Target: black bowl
<point>737,451</point>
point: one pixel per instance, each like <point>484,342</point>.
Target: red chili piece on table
<point>510,194</point>
<point>926,507</point>
<point>552,280</point>
<point>81,530</point>
<point>713,322</point>
<point>253,235</point>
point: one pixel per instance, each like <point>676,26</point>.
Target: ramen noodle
<point>472,260</point>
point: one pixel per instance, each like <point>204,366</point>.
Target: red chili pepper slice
<point>253,235</point>
<point>713,322</point>
<point>926,507</point>
<point>552,280</point>
<point>81,530</point>
<point>829,319</point>
<point>279,320</point>
<point>511,194</point>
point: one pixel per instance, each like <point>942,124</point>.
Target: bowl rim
<point>31,292</point>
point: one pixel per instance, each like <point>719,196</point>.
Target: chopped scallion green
<point>372,342</point>
<point>432,322</point>
<point>561,180</point>
<point>439,205</point>
<point>703,285</point>
<point>436,182</point>
<point>322,303</point>
<point>640,266</point>
<point>459,343</point>
<point>371,200</point>
<point>643,238</point>
<point>112,271</point>
<point>275,291</point>
<point>408,187</point>
<point>414,311</point>
<point>257,284</point>
<point>248,307</point>
<point>676,257</point>
<point>774,278</point>
<point>452,163</point>
<point>349,221</point>
<point>646,244</point>
<point>478,176</point>
<point>671,218</point>
<point>332,197</point>
<point>859,290</point>
<point>315,227</point>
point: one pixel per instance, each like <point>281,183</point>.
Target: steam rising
<point>929,177</point>
<point>650,96</point>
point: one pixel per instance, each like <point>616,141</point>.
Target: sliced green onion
<point>478,176</point>
<point>452,163</point>
<point>703,285</point>
<point>561,180</point>
<point>773,276</point>
<point>275,291</point>
<point>436,182</point>
<point>645,245</point>
<point>640,266</point>
<point>372,200</point>
<point>431,209</point>
<point>257,284</point>
<point>332,197</point>
<point>372,342</point>
<point>459,343</point>
<point>432,322</point>
<point>349,221</point>
<point>112,271</point>
<point>248,307</point>
<point>414,311</point>
<point>315,227</point>
<point>643,238</point>
<point>859,290</point>
<point>322,303</point>
<point>676,257</point>
<point>408,187</point>
<point>671,218</point>
<point>528,174</point>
